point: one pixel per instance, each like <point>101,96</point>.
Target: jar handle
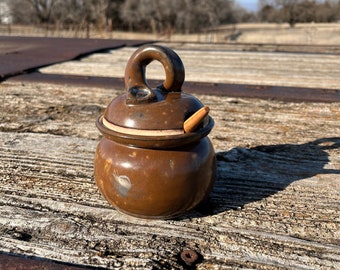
<point>138,91</point>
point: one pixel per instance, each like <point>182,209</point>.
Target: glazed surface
<point>155,183</point>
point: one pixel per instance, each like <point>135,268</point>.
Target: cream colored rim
<point>141,132</point>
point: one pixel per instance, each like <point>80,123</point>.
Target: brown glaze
<point>166,107</point>
<point>154,183</point>
<point>147,165</point>
<point>168,111</point>
<point>135,82</point>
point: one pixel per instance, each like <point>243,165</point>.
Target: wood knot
<point>189,257</point>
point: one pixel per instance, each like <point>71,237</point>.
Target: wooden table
<point>275,203</point>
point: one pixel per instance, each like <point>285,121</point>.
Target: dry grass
<point>311,34</point>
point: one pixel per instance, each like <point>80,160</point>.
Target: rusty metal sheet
<point>16,262</point>
<point>283,93</point>
<point>295,94</point>
<point>23,54</point>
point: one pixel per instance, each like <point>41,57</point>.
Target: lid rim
<point>165,141</point>
<point>145,132</point>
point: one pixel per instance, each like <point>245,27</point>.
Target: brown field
<point>309,34</point>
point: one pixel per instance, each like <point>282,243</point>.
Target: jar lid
<point>161,112</point>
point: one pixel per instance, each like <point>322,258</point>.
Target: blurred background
<point>253,21</point>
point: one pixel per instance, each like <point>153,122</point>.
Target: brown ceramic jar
<point>155,159</point>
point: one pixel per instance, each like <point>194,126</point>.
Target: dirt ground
<point>309,34</point>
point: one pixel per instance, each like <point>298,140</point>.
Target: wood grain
<point>275,204</point>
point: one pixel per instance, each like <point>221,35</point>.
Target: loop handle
<point>138,91</point>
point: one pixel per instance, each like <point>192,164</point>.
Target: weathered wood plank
<point>221,66</point>
<point>275,203</point>
<point>60,215</point>
<point>73,110</point>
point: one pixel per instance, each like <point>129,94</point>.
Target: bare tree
<point>329,11</point>
<point>5,13</point>
<point>293,11</point>
<point>290,11</point>
<point>267,11</point>
<point>175,15</point>
<point>112,13</point>
<point>81,14</point>
<point>22,12</point>
<point>43,9</point>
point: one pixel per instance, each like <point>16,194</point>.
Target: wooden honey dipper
<point>193,121</point>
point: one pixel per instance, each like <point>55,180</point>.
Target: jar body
<point>155,183</point>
